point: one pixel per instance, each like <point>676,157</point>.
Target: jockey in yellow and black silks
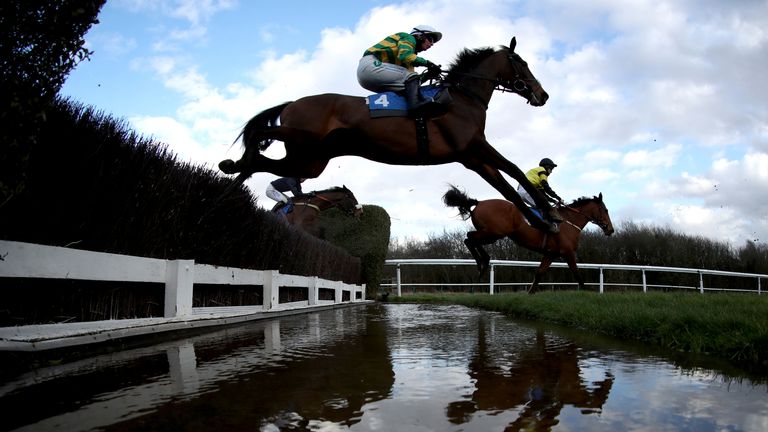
<point>539,179</point>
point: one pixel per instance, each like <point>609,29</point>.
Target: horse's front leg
<point>495,179</point>
<point>492,157</point>
<point>546,261</point>
<point>571,260</point>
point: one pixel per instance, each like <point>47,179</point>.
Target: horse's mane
<point>578,202</point>
<point>331,189</point>
<point>467,60</point>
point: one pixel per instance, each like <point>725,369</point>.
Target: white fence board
<point>26,260</point>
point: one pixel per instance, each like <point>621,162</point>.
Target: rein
<point>588,218</point>
<point>516,85</point>
<point>333,204</point>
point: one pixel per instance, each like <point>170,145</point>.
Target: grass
<point>733,326</point>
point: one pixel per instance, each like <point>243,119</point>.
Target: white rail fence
<point>27,260</point>
<point>492,284</point>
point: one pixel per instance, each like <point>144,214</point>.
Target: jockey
<point>538,178</point>
<point>388,65</point>
<point>284,184</point>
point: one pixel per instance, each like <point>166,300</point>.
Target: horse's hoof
<point>227,166</point>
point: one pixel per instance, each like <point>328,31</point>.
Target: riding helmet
<point>547,162</point>
<point>425,30</point>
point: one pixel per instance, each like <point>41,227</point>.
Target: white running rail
<point>398,263</point>
<point>28,260</point>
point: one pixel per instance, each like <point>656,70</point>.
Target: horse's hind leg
<point>475,241</point>
<point>472,249</point>
<point>253,161</point>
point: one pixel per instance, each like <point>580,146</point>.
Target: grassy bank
<point>734,326</point>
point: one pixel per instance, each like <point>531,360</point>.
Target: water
<point>384,368</point>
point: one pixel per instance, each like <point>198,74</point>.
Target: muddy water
<point>385,368</point>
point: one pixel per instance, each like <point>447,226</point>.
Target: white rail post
<point>338,293</point>
<point>645,286</point>
<point>701,282</point>
<point>601,281</point>
<point>179,283</point>
<point>490,281</point>
<point>758,286</point>
<point>312,290</point>
<point>399,292</point>
<point>271,289</point>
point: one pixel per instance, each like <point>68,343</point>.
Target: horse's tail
<point>259,123</point>
<point>456,198</point>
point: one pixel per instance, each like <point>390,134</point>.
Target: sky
<point>661,106</point>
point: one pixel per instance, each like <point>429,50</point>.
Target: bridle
<point>338,204</point>
<point>523,86</point>
<point>598,222</point>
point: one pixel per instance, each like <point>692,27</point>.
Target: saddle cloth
<point>391,104</point>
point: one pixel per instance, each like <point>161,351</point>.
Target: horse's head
<point>519,79</point>
<point>595,211</point>
<point>345,200</point>
<point>600,216</point>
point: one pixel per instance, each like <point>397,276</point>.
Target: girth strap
<point>422,138</point>
<point>307,205</point>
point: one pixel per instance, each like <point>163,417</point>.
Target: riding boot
<point>413,97</point>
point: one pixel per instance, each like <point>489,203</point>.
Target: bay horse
<point>307,207</point>
<point>317,128</point>
<point>495,219</point>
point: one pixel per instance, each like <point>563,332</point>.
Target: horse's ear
<point>600,197</point>
<point>512,44</point>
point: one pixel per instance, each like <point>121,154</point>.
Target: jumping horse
<point>495,219</point>
<point>318,128</point>
<point>306,208</point>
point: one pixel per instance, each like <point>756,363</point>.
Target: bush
<point>367,239</point>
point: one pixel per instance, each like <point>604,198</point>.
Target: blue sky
<point>660,105</point>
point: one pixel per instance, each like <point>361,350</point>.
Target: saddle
<point>391,104</point>
<point>283,208</point>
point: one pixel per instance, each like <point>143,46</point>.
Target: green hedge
<point>367,238</point>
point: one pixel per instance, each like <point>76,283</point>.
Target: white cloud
<point>663,157</point>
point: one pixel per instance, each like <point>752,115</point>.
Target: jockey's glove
<point>433,69</point>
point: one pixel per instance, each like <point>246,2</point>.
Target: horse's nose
<point>544,97</point>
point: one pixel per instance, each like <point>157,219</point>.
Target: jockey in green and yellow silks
<point>539,179</point>
<point>389,65</point>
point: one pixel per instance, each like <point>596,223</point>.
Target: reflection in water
<point>537,382</point>
<point>380,367</point>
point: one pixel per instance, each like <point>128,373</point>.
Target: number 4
<point>382,100</point>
